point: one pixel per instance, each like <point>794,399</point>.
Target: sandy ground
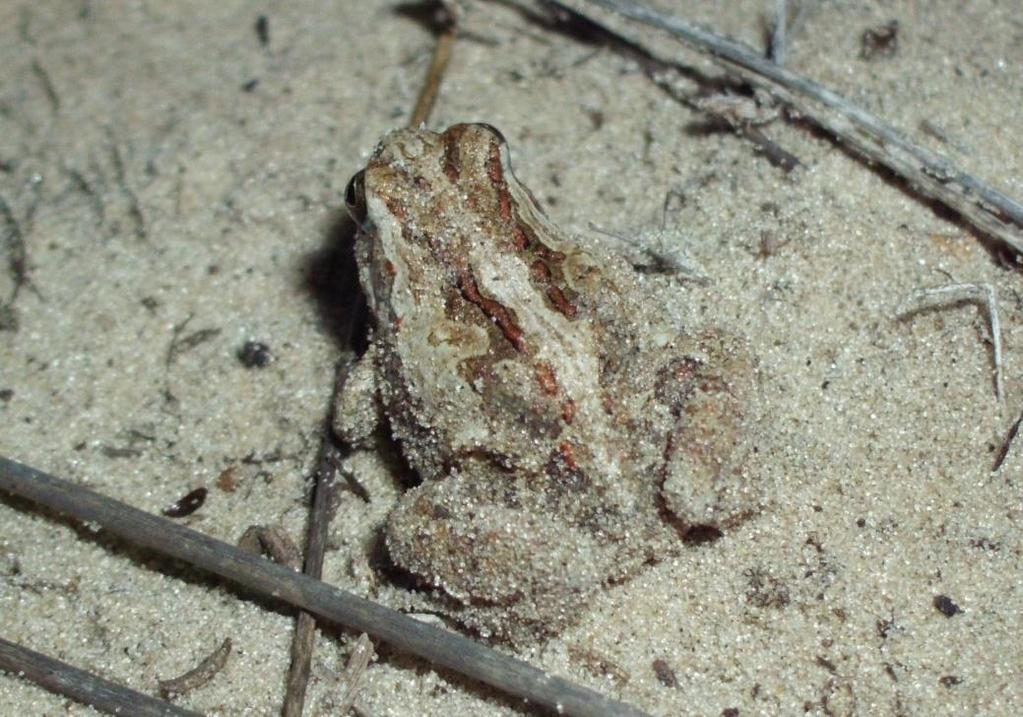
<point>172,180</point>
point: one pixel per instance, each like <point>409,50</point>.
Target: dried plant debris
<point>263,30</point>
<point>983,294</point>
<point>598,665</point>
<point>255,354</point>
<point>468,657</point>
<point>181,343</point>
<point>880,42</point>
<point>1003,451</point>
<point>945,605</point>
<point>273,541</point>
<point>351,679</point>
<point>198,675</point>
<point>186,505</point>
<point>13,248</point>
<point>738,110</point>
<point>227,481</point>
<point>665,675</point>
<point>874,140</point>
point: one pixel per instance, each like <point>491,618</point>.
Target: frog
<point>564,430</point>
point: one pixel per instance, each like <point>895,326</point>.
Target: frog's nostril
<point>355,197</point>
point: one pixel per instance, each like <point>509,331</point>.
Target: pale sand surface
<point>152,190</point>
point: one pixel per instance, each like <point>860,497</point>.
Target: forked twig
<point>933,175</point>
<point>983,294</point>
<point>332,604</point>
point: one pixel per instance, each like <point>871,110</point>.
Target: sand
<point>172,179</point>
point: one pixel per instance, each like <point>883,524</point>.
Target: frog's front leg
<point>357,410</point>
<point>712,394</point>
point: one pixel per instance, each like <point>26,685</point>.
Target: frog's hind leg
<point>704,479</point>
<point>514,570</point>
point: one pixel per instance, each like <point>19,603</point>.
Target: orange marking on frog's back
<point>495,310</point>
<point>547,378</point>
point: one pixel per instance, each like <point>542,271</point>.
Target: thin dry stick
<point>82,686</point>
<point>444,648</point>
<point>933,175</point>
<point>1003,451</point>
<point>983,294</point>
<point>304,640</point>
<point>441,56</point>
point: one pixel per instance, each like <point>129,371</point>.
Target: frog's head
<point>426,199</point>
<point>416,174</point>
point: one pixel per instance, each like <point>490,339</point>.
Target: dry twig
<point>931,174</point>
<point>439,63</point>
<point>304,640</point>
<point>1003,451</point>
<point>669,76</point>
<point>84,687</point>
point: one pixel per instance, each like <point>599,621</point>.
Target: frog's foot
<point>703,479</point>
<point>517,572</point>
<point>357,411</point>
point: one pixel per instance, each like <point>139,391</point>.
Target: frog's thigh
<point>482,540</point>
<point>704,478</point>
<point>356,406</point>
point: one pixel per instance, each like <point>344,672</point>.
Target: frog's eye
<point>355,197</point>
<point>494,131</point>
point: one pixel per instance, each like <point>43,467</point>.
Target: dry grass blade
<point>351,680</point>
<point>200,674</point>
<point>779,39</point>
<point>983,294</point>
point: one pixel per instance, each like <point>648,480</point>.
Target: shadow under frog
<point>566,432</point>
